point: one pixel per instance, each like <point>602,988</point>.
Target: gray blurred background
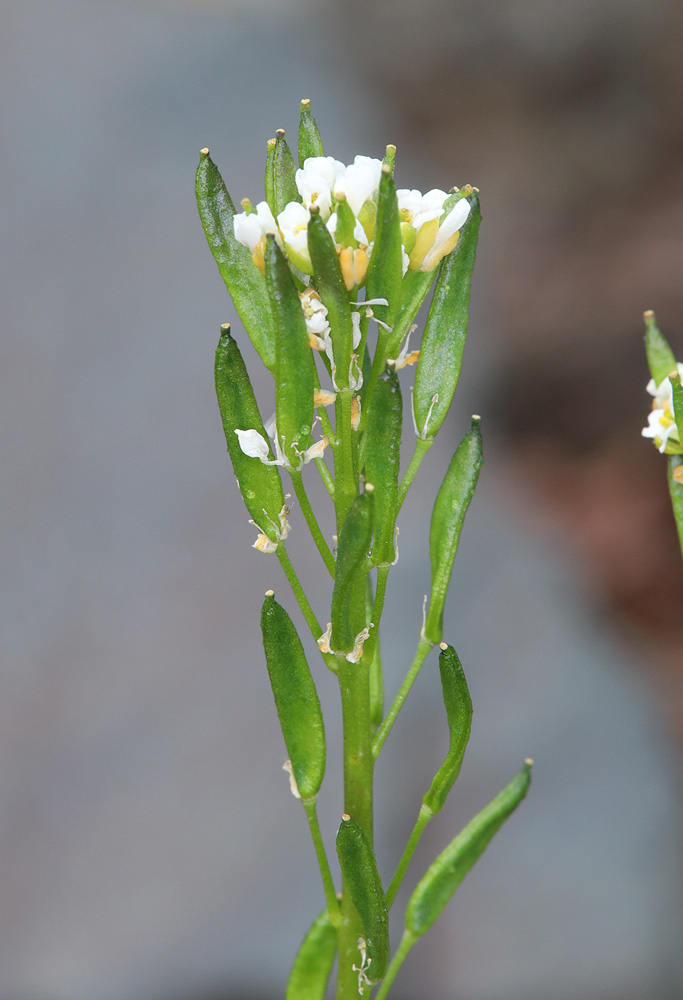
<point>149,845</point>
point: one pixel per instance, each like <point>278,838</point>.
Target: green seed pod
<point>243,279</point>
<point>413,291</point>
<point>382,460</point>
<point>355,539</point>
<point>458,704</point>
<point>389,158</point>
<point>385,267</point>
<point>259,484</point>
<point>310,143</point>
<point>443,341</point>
<point>329,282</point>
<point>284,171</point>
<point>270,174</point>
<point>677,389</point>
<point>446,873</point>
<point>346,223</point>
<point>674,465</point>
<point>295,376</point>
<point>359,869</point>
<point>313,963</point>
<point>296,698</point>
<point>660,357</point>
<point>450,507</point>
<point>376,680</point>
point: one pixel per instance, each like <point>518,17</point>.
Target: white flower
<point>251,227</point>
<point>254,444</point>
<point>661,423</point>
<point>359,182</point>
<point>293,223</point>
<point>315,314</point>
<point>316,181</point>
<point>427,235</point>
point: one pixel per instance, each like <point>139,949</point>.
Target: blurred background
<point>149,845</point>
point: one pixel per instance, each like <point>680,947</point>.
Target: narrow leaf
<point>310,143</point>
<point>354,543</point>
<point>443,341</point>
<point>243,279</point>
<point>458,704</point>
<point>270,175</point>
<point>446,873</point>
<point>295,376</point>
<point>361,878</point>
<point>313,963</point>
<point>284,172</point>
<point>259,484</point>
<point>296,698</point>
<point>448,516</point>
<point>382,461</point>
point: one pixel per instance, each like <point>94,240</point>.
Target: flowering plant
<point>327,275</point>
<point>665,421</point>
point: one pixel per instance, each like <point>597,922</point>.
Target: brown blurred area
<point>569,118</point>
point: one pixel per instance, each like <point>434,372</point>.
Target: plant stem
<point>375,372</point>
<point>328,884</point>
<point>423,818</point>
<point>407,942</point>
<point>346,482</point>
<point>302,600</point>
<point>325,476</point>
<point>422,446</point>
<point>423,648</point>
<point>313,526</point>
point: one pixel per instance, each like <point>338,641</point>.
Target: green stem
<point>422,446</point>
<point>313,527</point>
<point>407,942</point>
<point>423,648</point>
<point>423,818</point>
<point>302,600</point>
<point>377,368</point>
<point>327,427</point>
<point>328,884</point>
<point>346,482</point>
<point>377,608</point>
<point>325,476</point>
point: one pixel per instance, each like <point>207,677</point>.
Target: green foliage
<point>359,870</point>
<point>456,697</point>
<point>314,960</point>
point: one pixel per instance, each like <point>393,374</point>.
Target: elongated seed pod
<point>389,157</point>
<point>270,174</point>
<point>376,679</point>
<point>313,963</point>
<point>284,171</point>
<point>259,484</point>
<point>329,282</point>
<point>354,544</point>
<point>446,873</point>
<point>295,376</point>
<point>660,357</point>
<point>382,461</point>
<point>456,697</point>
<point>296,698</point>
<point>361,878</point>
<point>243,279</point>
<point>310,143</point>
<point>674,467</point>
<point>385,270</point>
<point>412,292</point>
<point>443,341</point>
<point>450,507</point>
<point>677,392</point>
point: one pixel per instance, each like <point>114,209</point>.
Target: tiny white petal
<point>253,444</point>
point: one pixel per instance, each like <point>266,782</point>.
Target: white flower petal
<point>253,444</point>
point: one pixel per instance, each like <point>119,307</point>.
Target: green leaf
<point>355,539</point>
<point>270,174</point>
<point>313,963</point>
<point>458,704</point>
<point>443,341</point>
<point>359,869</point>
<point>446,873</point>
<point>412,292</point>
<point>243,279</point>
<point>660,357</point>
<point>296,698</point>
<point>259,484</point>
<point>284,173</point>
<point>385,268</point>
<point>448,516</point>
<point>310,143</point>
<point>295,376</point>
<point>329,282</point>
<point>383,459</point>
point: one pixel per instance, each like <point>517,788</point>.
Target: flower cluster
<point>661,423</point>
<point>346,199</point>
